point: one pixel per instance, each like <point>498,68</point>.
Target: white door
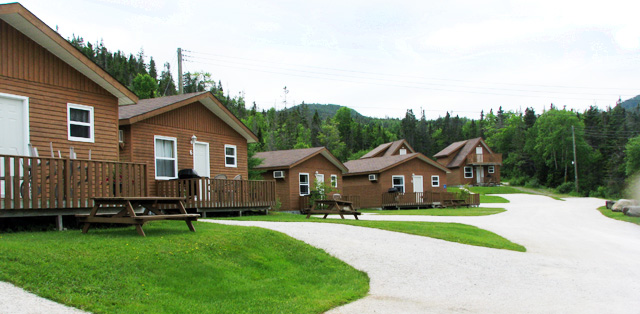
<point>201,159</point>
<point>319,179</point>
<point>479,174</point>
<point>14,130</point>
<point>479,154</point>
<point>418,187</point>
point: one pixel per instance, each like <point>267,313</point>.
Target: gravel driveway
<point>577,261</point>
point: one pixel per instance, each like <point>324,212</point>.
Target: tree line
<point>537,148</point>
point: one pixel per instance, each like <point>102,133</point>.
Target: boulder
<point>609,204</point>
<point>620,204</point>
<point>633,211</point>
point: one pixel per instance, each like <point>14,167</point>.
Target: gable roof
<point>380,164</point>
<point>31,26</point>
<point>388,149</point>
<point>280,159</point>
<point>147,108</point>
<point>467,147</point>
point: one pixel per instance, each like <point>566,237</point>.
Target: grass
<point>473,211</point>
<point>453,232</point>
<point>218,269</point>
<point>483,190</point>
<point>618,215</point>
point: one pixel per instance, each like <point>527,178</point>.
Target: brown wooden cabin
<point>56,101</point>
<point>295,171</point>
<point>391,165</point>
<point>471,162</point>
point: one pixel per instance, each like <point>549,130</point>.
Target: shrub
<point>519,181</point>
<point>532,183</point>
<point>566,187</point>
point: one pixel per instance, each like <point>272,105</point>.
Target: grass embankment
<point>484,190</point>
<point>453,232</point>
<point>218,269</point>
<point>618,215</point>
<point>462,211</point>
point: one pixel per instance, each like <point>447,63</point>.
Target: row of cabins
<point>70,132</point>
<point>395,166</point>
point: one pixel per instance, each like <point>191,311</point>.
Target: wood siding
<point>287,189</point>
<point>29,70</point>
<point>182,124</point>
<point>370,192</point>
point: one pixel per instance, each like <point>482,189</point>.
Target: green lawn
<point>462,211</point>
<point>483,190</point>
<point>453,232</point>
<point>618,215</point>
<point>218,269</point>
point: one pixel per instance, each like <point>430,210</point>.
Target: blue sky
<point>381,57</point>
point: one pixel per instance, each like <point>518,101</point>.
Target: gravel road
<point>577,261</point>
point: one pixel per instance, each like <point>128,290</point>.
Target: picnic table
<point>338,207</point>
<point>172,209</point>
<point>455,202</point>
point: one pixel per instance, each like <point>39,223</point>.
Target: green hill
<point>631,103</point>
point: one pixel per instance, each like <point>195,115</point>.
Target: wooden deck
<point>428,200</point>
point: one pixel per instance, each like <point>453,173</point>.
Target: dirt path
<point>578,261</point>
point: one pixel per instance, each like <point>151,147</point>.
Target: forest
<point>537,147</point>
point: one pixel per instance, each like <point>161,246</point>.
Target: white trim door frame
<point>479,174</point>
<point>201,159</point>
<point>24,148</point>
<point>14,126</point>
<point>418,187</point>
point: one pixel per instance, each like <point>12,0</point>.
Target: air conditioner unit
<point>278,174</point>
<point>373,177</point>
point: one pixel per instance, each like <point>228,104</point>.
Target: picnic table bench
<point>338,207</point>
<point>454,202</point>
<point>127,215</point>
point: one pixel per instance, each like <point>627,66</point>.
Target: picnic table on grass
<point>155,208</point>
<point>338,207</point>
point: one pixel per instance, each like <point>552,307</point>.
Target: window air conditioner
<point>373,177</point>
<point>278,174</point>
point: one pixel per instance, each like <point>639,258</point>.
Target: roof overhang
<point>211,103</point>
<point>418,155</point>
<point>324,152</point>
<point>24,21</point>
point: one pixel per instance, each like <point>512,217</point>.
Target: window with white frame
<point>304,184</point>
<point>80,123</point>
<point>230,156</point>
<point>403,151</point>
<point>468,172</point>
<point>398,183</point>
<point>492,169</point>
<point>334,180</point>
<point>166,157</point>
<point>435,181</point>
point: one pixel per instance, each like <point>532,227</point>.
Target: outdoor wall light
<point>193,139</point>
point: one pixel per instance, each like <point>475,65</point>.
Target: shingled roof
<point>388,149</point>
<point>147,108</point>
<point>467,147</point>
<point>380,164</point>
<point>281,159</point>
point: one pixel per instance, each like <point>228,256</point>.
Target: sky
<point>381,58</point>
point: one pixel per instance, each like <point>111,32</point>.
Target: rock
<point>609,204</point>
<point>620,204</point>
<point>632,211</point>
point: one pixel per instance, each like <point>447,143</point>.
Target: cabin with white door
<point>471,162</point>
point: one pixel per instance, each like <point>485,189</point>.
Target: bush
<point>519,181</point>
<point>600,192</point>
<point>532,183</point>
<point>566,187</point>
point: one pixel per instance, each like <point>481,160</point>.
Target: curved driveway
<point>577,261</point>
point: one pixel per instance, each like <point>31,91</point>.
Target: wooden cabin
<point>393,165</point>
<point>296,171</point>
<point>471,162</point>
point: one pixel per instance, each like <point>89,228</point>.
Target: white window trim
<point>175,154</point>
<point>25,119</point>
<point>334,179</point>
<point>465,172</point>
<point>208,175</point>
<point>301,184</point>
<point>437,178</point>
<point>235,156</point>
<point>403,151</point>
<point>403,182</point>
<point>91,123</point>
<point>491,169</point>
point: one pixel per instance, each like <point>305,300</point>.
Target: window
<point>435,181</point>
<point>403,151</point>
<point>334,180</point>
<point>468,172</point>
<point>492,169</point>
<point>166,157</point>
<point>398,183</point>
<point>80,123</point>
<point>304,184</point>
<point>230,156</point>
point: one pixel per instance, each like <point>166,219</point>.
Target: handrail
<point>220,193</point>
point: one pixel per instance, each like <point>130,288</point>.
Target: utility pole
<point>180,83</point>
<point>575,159</point>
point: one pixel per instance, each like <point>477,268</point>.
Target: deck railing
<point>47,183</point>
<point>428,198</point>
<point>484,159</point>
<point>220,193</point>
<point>305,201</point>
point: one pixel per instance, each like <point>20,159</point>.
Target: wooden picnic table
<point>338,207</point>
<point>455,202</point>
<point>173,210</point>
